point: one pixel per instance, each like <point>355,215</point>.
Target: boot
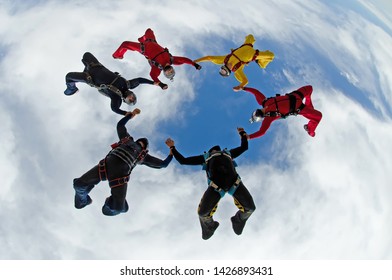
<point>312,134</point>
<point>238,224</point>
<point>71,88</point>
<point>81,203</point>
<point>208,229</point>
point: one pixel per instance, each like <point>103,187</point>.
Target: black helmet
<point>129,97</point>
<point>169,72</point>
<point>257,115</point>
<point>144,141</point>
<point>215,148</point>
<point>224,71</point>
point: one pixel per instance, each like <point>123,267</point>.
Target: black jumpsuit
<point>119,164</point>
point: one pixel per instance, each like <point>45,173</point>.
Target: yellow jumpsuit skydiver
<point>238,58</point>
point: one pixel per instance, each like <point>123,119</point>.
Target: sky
<point>326,197</point>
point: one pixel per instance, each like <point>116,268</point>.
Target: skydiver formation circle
<point>219,164</point>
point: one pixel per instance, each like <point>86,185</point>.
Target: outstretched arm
<point>155,162</point>
<point>194,160</point>
<point>178,60</point>
<point>263,128</point>
<point>115,105</point>
<point>121,129</point>
<point>213,59</point>
<point>258,95</point>
<point>137,81</point>
<point>244,144</point>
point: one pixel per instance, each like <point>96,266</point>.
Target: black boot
<point>71,88</point>
<point>208,228</point>
<point>238,223</point>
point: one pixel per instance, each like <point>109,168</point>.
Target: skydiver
<point>236,60</point>
<point>109,83</point>
<point>158,57</point>
<point>116,167</point>
<point>282,106</point>
<point>222,178</point>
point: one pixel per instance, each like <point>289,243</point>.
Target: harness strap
<point>232,189</point>
<point>155,63</point>
<point>102,170</point>
<point>240,63</point>
<point>143,47</point>
<point>118,182</point>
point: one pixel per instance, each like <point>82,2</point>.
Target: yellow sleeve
<point>241,77</point>
<point>264,58</point>
<point>213,59</point>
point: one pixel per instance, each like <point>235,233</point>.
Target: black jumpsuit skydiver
<point>118,165</point>
<point>209,202</point>
<point>95,74</point>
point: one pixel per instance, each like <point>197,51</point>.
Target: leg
<point>307,92</point>
<point>148,35</point>
<point>126,45</point>
<point>206,210</point>
<point>116,203</point>
<point>314,118</point>
<point>74,77</point>
<point>84,185</point>
<point>89,59</point>
<point>244,201</point>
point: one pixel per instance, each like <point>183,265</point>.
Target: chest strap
<point>240,62</point>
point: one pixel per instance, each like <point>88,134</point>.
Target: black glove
<point>197,66</point>
<point>162,85</point>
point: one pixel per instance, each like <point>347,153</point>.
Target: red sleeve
<point>264,127</point>
<point>178,60</point>
<point>259,96</point>
<point>154,73</point>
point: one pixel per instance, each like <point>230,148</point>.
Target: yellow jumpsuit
<point>243,54</point>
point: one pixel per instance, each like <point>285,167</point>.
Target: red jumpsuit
<point>157,56</point>
<point>281,104</point>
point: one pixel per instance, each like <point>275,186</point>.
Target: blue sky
<point>326,197</point>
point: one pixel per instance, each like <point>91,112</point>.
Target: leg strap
<point>118,182</point>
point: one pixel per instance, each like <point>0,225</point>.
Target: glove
<point>162,85</point>
<point>197,66</point>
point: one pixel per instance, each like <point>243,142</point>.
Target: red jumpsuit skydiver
<point>279,107</point>
<point>158,56</point>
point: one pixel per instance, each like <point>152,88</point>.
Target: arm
<point>213,59</point>
<point>263,128</point>
<point>154,73</point>
<point>121,129</point>
<point>244,144</point>
<point>115,105</point>
<point>137,81</point>
<point>260,97</point>
<point>156,163</point>
<point>241,77</point>
<point>178,60</point>
<point>195,160</point>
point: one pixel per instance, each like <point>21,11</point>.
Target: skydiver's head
<point>257,116</point>
<point>130,98</point>
<point>143,142</point>
<point>214,149</point>
<point>169,72</point>
<point>224,71</point>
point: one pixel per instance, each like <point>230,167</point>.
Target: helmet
<point>144,141</point>
<point>224,71</point>
<point>169,72</point>
<point>130,97</point>
<point>215,148</point>
<point>257,115</point>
